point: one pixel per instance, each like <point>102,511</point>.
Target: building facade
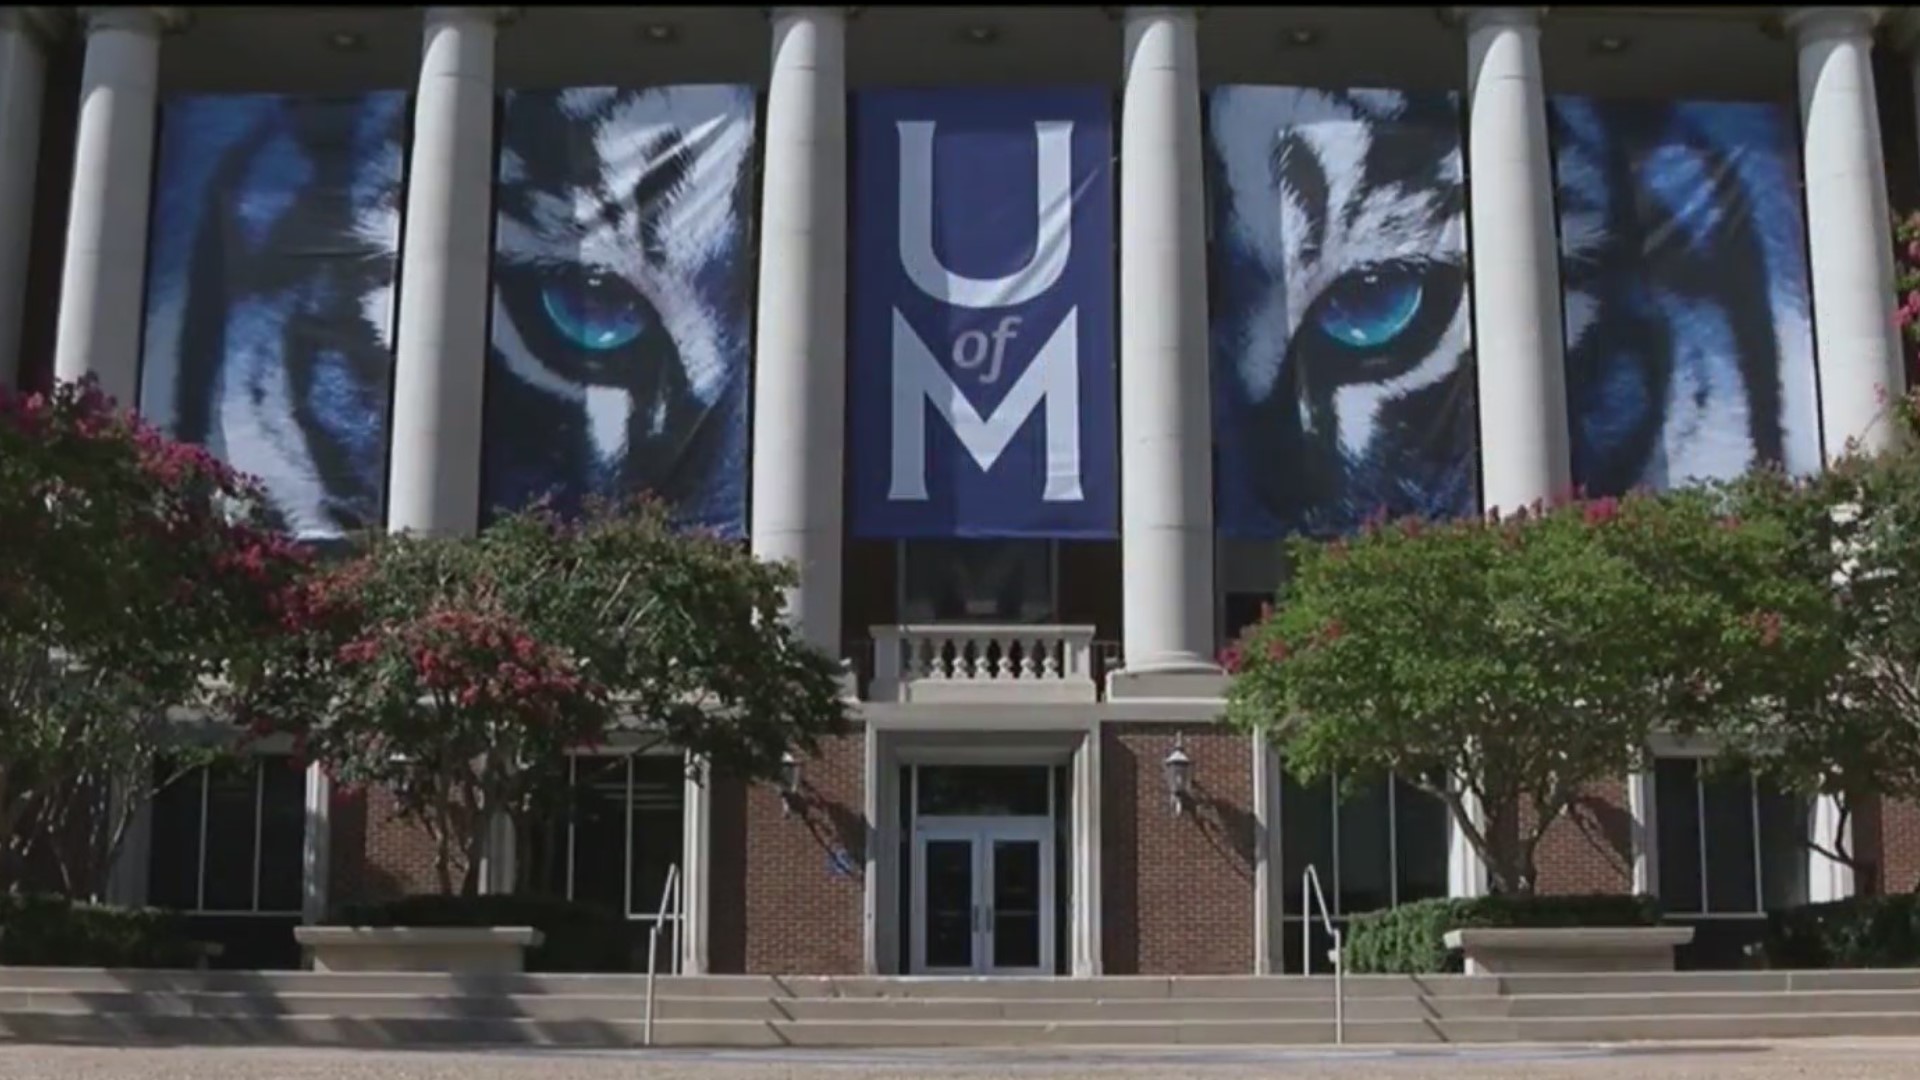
<point>1284,269</point>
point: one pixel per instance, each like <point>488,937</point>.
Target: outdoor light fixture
<point>1179,770</point>
<point>346,40</point>
<point>980,35</point>
<point>1609,45</point>
<point>789,783</point>
<point>659,33</point>
<point>1301,36</point>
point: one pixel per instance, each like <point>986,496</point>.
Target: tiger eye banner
<point>269,310</point>
<point>1342,368</point>
<point>1683,262</point>
<point>622,275</point>
<point>981,383</point>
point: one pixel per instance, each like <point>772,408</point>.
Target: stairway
<point>373,1010</point>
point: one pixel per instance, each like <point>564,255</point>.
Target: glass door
<point>983,897</point>
<point>1019,888</point>
<point>946,902</point>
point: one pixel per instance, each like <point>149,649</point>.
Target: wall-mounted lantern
<point>1179,772</point>
<point>789,783</point>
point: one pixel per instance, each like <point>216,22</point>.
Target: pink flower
<point>1232,659</point>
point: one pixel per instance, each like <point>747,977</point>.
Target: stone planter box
<point>488,950</point>
<point>1572,949</point>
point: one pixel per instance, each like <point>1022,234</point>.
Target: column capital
<point>845,12</point>
<point>1813,23</point>
<point>140,20</point>
<point>1121,13</point>
<point>1469,17</point>
<point>498,16</point>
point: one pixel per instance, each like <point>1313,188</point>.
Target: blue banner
<point>622,285</point>
<point>270,292</point>
<point>1342,360</point>
<point>981,388</point>
<point>1683,261</point>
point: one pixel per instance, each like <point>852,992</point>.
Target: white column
<point>1519,338</point>
<point>1644,808</point>
<point>316,849</point>
<point>102,283</point>
<point>1267,892</point>
<point>1848,242</point>
<point>695,875</point>
<point>440,355</point>
<point>800,370</point>
<point>23,69</point>
<point>1829,879</point>
<point>1166,463</point>
<point>133,862</point>
<point>1087,956</point>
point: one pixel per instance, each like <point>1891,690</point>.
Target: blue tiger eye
<point>1369,309</point>
<point>596,312</point>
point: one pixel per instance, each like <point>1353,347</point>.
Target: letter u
<point>1053,232</point>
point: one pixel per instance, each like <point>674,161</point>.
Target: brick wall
<point>373,856</point>
<point>1177,892</point>
<point>1899,847</point>
<point>1590,849</point>
<point>780,904</point>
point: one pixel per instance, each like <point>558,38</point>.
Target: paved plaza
<point>1851,1059</point>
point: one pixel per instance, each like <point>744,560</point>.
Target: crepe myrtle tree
<point>1507,664</point>
<point>1906,267</point>
<point>1853,733</point>
<point>458,673</point>
<point>134,571</point>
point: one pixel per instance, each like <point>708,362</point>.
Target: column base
<point>1170,679</point>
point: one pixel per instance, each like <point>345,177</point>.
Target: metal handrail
<point>1311,897</point>
<point>669,902</point>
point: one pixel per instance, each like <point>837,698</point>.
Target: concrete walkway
<point>1851,1059</point>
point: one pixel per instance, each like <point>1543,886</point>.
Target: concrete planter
<point>1572,949</point>
<point>488,950</point>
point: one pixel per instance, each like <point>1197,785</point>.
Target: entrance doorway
<point>983,891</point>
<point>983,896</point>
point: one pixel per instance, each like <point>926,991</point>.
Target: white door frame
<point>981,833</point>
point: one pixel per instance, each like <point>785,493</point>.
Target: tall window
<point>1378,847</point>
<point>623,835</point>
<point>229,839</point>
<point>1729,845</point>
<point>989,581</point>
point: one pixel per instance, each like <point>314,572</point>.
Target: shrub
<point>1861,932</point>
<point>51,931</point>
<point>580,937</point>
<point>1410,939</point>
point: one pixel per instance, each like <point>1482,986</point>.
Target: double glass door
<point>983,896</point>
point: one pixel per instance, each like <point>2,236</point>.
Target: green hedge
<point>52,931</point>
<point>579,937</point>
<point>1409,939</point>
<point>1862,932</point>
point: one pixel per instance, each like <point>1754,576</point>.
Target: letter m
<point>1052,377</point>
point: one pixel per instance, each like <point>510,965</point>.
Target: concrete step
<point>1106,988</point>
<point>624,1007</point>
<point>363,1032</point>
<point>631,1007</point>
<point>367,1032</point>
<point>1726,982</point>
<point>1596,1006</point>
